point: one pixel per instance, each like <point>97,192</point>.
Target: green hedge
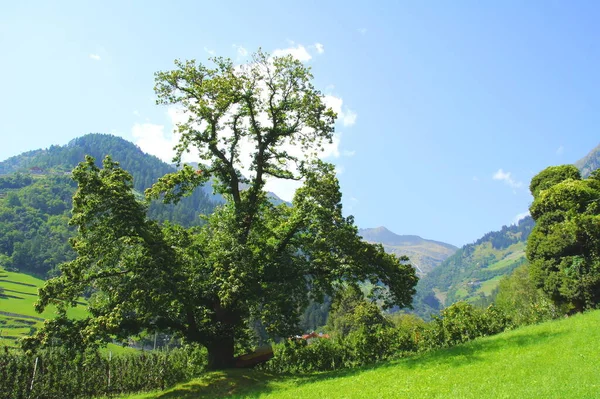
<point>458,323</point>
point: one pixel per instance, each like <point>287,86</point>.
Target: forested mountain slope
<point>475,269</point>
<point>36,193</point>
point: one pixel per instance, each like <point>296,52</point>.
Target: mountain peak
<point>423,254</point>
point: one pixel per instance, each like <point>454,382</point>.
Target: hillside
<point>18,293</point>
<point>36,193</point>
<point>424,254</point>
<point>475,270</point>
<point>557,359</point>
<point>18,318</point>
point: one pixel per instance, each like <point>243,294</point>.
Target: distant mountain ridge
<point>424,254</point>
<point>589,163</point>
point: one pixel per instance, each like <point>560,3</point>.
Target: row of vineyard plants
<point>56,373</point>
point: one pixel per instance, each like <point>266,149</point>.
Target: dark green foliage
<point>462,322</point>
<point>315,315</point>
<point>372,343</point>
<point>61,374</point>
<point>508,235</point>
<point>33,225</point>
<point>351,312</point>
<point>359,348</point>
<point>16,180</point>
<point>564,247</point>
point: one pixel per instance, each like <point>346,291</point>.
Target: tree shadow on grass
<point>223,384</point>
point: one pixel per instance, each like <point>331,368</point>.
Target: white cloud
<point>209,51</point>
<point>95,57</point>
<point>241,51</point>
<point>560,150</point>
<point>345,115</point>
<point>348,153</point>
<point>349,117</point>
<point>475,178</point>
<point>151,139</point>
<point>136,112</point>
<point>520,216</point>
<point>507,178</point>
<point>299,52</point>
<point>362,31</point>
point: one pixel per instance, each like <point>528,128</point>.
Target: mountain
<point>475,270</point>
<point>590,162</point>
<point>424,254</point>
<point>36,193</point>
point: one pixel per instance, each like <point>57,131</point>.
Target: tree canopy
<point>564,246</point>
<point>252,261</point>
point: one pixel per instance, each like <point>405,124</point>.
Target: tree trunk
<point>220,354</point>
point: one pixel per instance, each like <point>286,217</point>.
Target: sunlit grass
<point>552,360</point>
<point>18,294</point>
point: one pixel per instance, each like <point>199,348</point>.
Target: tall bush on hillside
<point>564,248</point>
<point>462,322</point>
<point>522,301</point>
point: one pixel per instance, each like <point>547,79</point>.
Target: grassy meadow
<point>18,293</point>
<point>557,359</point>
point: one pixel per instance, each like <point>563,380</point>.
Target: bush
<point>462,322</point>
<point>361,347</point>
<point>522,302</point>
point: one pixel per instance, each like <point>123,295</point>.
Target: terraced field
<point>18,293</point>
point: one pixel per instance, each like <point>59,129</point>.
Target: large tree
<point>564,246</point>
<point>251,261</point>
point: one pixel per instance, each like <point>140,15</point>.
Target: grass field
<point>558,359</point>
<point>488,286</point>
<point>18,293</point>
<point>507,261</point>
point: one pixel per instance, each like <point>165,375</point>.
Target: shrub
<point>462,322</point>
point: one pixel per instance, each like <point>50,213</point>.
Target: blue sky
<point>447,108</point>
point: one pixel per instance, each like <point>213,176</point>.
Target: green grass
<point>509,260</point>
<point>462,293</point>
<point>18,294</point>
<point>21,293</point>
<point>552,360</point>
<point>488,286</point>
